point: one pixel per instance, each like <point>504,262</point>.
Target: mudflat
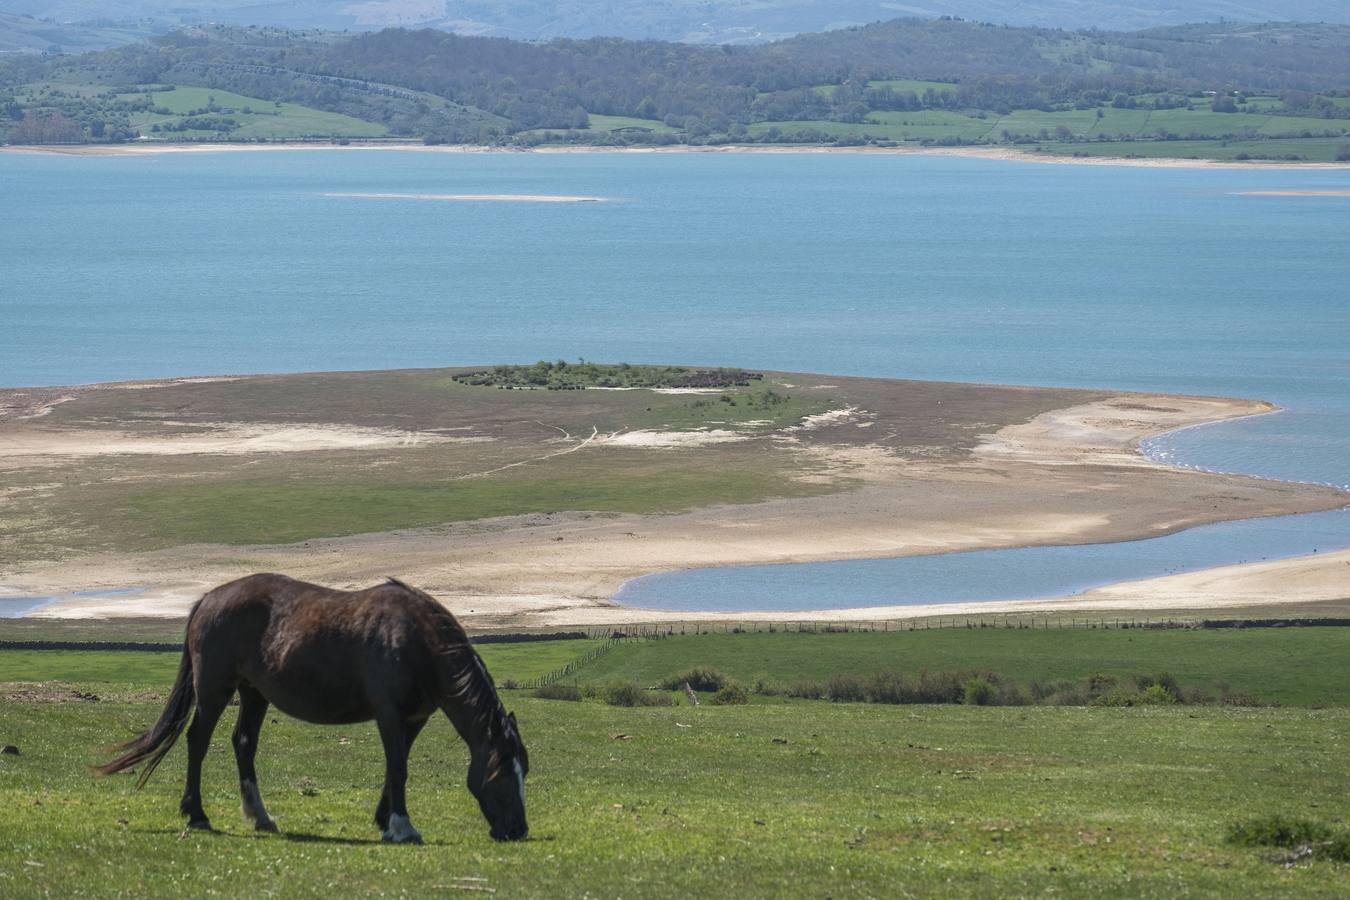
<point>523,507</point>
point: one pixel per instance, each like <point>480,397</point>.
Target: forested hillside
<point>910,79</point>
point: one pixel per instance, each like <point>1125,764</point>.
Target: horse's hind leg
<point>411,731</point>
<point>210,704</point>
<point>394,736</point>
<point>252,711</point>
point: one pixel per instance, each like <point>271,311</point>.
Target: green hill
<point>1239,91</point>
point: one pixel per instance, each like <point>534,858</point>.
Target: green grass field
<point>257,118</point>
<point>1304,667</point>
<point>1310,149</point>
<point>618,123</point>
<point>1118,132</point>
<point>790,798</point>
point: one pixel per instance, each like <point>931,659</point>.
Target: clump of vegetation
<point>1304,838</point>
<point>977,691</point>
<point>732,694</point>
<point>1277,831</point>
<point>630,694</point>
<point>700,678</point>
<point>979,687</point>
<point>559,691</point>
<point>565,376</point>
<point>765,399</point>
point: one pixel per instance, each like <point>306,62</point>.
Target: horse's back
<point>318,653</point>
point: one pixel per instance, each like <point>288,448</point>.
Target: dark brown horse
<point>389,653</point>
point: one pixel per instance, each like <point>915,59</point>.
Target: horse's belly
<point>326,713</point>
<point>312,701</point>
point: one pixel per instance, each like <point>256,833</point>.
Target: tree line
<point>448,87</point>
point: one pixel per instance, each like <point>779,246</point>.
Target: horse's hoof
<point>406,839</point>
<point>400,831</point>
<point>413,838</point>
<point>266,825</point>
<point>200,825</point>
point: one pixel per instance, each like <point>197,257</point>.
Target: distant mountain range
<point>85,24</point>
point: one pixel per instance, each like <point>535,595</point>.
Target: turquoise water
<point>16,607</point>
<point>913,267</point>
<point>1021,573</point>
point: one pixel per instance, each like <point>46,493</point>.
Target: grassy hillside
<point>1294,666</point>
<point>44,34</point>
<point>789,798</point>
<point>913,81</point>
<point>174,112</point>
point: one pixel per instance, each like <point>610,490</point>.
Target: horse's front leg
<point>410,732</point>
<point>252,711</point>
<point>394,735</point>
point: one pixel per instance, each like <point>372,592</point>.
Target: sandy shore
<point>1071,475</point>
<point>1005,154</point>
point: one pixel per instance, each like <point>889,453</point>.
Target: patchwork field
<point>256,118</point>
<point>782,796</point>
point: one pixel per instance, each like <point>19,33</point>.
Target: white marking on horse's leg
<point>520,781</point>
<point>401,831</point>
<point>254,811</point>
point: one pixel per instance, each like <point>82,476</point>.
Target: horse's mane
<point>468,684</point>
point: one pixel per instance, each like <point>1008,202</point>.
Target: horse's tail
<point>155,744</point>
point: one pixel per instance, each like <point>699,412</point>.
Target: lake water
<point>911,267</point>
<point>17,607</point>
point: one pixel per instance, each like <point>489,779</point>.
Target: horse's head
<point>497,780</point>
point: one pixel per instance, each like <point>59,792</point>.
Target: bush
<point>559,691</point>
<point>1277,831</point>
<point>845,688</point>
<point>890,687</point>
<point>1156,695</point>
<point>940,687</point>
<point>629,694</point>
<point>732,694</point>
<point>762,685</point>
<point>806,689</point>
<point>977,692</point>
<point>1161,679</point>
<point>700,678</point>
<point>1153,695</point>
<point>1100,684</point>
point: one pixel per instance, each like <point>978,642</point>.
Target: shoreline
<point>1000,154</point>
<point>558,569</point>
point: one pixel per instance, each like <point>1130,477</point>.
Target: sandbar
<point>472,198</point>
<point>1293,193</point>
